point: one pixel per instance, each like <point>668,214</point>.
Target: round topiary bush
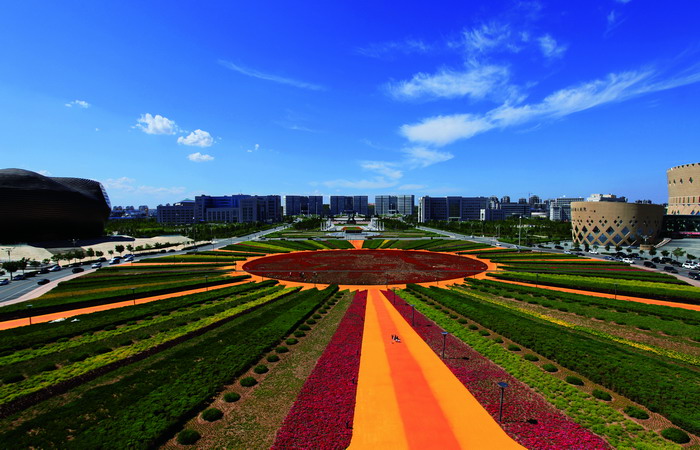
<point>550,368</point>
<point>316,316</point>
<point>281,349</point>
<point>311,322</point>
<point>676,435</point>
<point>291,341</point>
<point>272,358</point>
<point>484,333</point>
<point>601,395</point>
<point>498,340</point>
<point>453,316</point>
<point>462,321</point>
<point>262,368</point>
<point>248,381</point>
<point>637,413</point>
<point>576,381</point>
<point>12,378</point>
<point>531,357</point>
<point>188,437</point>
<point>125,342</point>
<point>644,327</point>
<point>304,327</point>
<point>212,414</point>
<point>473,327</point>
<point>513,348</point>
<point>48,367</point>
<point>231,397</point>
<point>299,334</point>
<point>102,350</point>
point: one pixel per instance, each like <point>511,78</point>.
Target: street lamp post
<point>29,307</point>
<point>520,229</point>
<point>206,283</point>
<point>503,385</point>
<point>444,342</point>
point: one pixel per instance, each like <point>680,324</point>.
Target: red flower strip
<point>322,414</point>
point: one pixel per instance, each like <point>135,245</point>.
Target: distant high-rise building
<point>453,208</point>
<point>394,204</point>
<point>405,204</point>
<point>360,205</point>
<point>606,198</point>
<point>225,208</point>
<point>534,200</point>
<point>522,201</point>
<point>341,204</point>
<point>505,199</point>
<point>560,208</point>
<point>315,205</point>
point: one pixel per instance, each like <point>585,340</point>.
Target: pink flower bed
<point>322,414</point>
<point>527,417</point>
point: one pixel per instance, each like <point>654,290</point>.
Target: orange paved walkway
<point>76,312</point>
<point>407,397</point>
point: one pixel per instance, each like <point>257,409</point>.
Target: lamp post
<point>520,228</point>
<point>444,342</point>
<point>29,307</point>
<point>413,316</point>
<point>133,297</point>
<point>503,385</point>
<point>206,283</point>
<point>615,291</point>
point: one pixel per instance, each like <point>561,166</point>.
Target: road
<point>17,289</point>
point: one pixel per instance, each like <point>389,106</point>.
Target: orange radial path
<point>407,397</point>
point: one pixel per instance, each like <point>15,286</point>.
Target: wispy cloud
<point>199,157</point>
<point>386,169</point>
<point>489,37</point>
<point>418,157</point>
<point>157,124</point>
<point>550,47</point>
<point>474,82</point>
<point>197,138</point>
<point>616,87</point>
<point>390,49</point>
<point>128,185</point>
<point>270,77</point>
<point>78,104</point>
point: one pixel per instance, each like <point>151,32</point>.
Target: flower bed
<point>322,415</point>
<point>551,429</point>
<point>377,267</point>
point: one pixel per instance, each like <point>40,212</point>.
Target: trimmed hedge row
<point>670,389</point>
<point>145,405</point>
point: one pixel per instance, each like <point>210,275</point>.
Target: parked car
<point>43,281</point>
<point>656,259</point>
<point>114,261</point>
<point>694,275</point>
<point>4,282</point>
<point>670,269</point>
<point>593,252</point>
<point>96,265</point>
<point>101,259</point>
<point>44,270</point>
<point>628,260</point>
<point>689,265</point>
<point>19,277</point>
<point>559,247</point>
<point>128,259</point>
<point>649,264</point>
<point>78,270</point>
<point>55,268</point>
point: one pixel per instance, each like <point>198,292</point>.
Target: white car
<point>593,252</point>
<point>628,260</point>
<point>55,268</point>
<point>96,265</point>
<point>690,265</point>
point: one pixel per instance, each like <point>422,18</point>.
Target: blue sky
<point>165,100</point>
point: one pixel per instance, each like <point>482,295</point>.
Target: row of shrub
<point>616,311</point>
<point>600,272</point>
<point>667,388</point>
<point>661,291</point>
<point>140,407</point>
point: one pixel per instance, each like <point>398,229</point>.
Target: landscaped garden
<point>243,364</point>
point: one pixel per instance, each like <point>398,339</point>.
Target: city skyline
<point>498,98</point>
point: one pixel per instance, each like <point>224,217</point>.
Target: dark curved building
<point>34,207</point>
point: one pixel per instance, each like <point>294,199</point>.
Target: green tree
<point>119,248</point>
<point>678,252</point>
<point>99,253</point>
<point>111,252</point>
<point>607,247</point>
<point>11,267</point>
<point>690,257</point>
<point>130,248</point>
<point>90,253</point>
<point>665,253</point>
<point>652,252</point>
<point>23,264</point>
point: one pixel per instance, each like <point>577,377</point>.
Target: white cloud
<point>127,185</point>
<point>550,48</point>
<point>616,87</point>
<point>78,103</point>
<point>156,124</point>
<point>255,148</point>
<point>197,138</point>
<point>199,157</point>
<point>376,183</point>
<point>442,130</point>
<point>477,83</point>
<point>489,37</point>
<point>424,157</point>
<point>411,187</point>
<point>383,168</point>
<point>269,77</point>
<point>388,49</point>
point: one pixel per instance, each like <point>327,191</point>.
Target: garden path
<point>408,398</point>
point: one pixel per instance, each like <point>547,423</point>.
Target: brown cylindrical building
<point>615,223</point>
<point>684,190</point>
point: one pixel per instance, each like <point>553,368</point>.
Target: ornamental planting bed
<point>322,414</point>
<point>527,417</point>
<point>362,267</point>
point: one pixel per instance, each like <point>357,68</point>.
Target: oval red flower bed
<point>364,267</point>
